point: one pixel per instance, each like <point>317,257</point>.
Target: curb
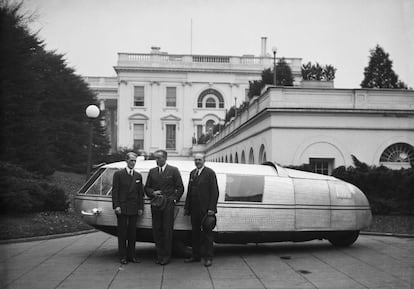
<point>47,237</point>
<point>387,234</point>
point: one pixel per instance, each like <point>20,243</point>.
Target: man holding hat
<point>201,205</point>
<point>165,187</point>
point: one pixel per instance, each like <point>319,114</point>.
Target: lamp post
<point>92,112</point>
<point>274,49</point>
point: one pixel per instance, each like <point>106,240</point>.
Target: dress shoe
<point>134,260</point>
<point>124,261</point>
<point>191,260</point>
<point>208,263</point>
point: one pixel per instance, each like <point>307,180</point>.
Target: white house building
<point>166,101</point>
<point>322,127</point>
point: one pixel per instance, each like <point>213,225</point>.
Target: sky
<point>90,33</point>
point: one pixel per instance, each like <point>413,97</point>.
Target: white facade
<point>323,127</point>
<point>201,89</point>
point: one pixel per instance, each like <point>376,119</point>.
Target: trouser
<point>162,228</point>
<point>202,240</point>
<point>126,235</point>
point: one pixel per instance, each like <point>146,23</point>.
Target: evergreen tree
<point>283,77</point>
<point>44,126</point>
<point>379,72</point>
<point>283,73</point>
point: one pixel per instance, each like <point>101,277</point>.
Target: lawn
<point>47,223</point>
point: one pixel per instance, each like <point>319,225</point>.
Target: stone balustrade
<point>177,60</point>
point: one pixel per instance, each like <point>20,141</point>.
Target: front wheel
<point>343,239</point>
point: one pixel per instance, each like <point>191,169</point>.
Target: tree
<point>44,126</point>
<point>284,77</point>
<point>379,72</point>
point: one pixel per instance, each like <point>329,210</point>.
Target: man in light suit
<point>202,197</point>
<point>164,180</point>
<point>128,203</point>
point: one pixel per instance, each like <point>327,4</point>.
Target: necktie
<point>198,172</point>
<point>131,172</point>
<point>160,170</point>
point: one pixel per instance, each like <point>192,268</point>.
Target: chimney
<point>155,50</point>
<point>264,43</point>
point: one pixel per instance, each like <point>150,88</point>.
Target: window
<point>139,96</point>
<point>138,137</point>
<point>243,158</point>
<point>251,156</point>
<point>210,103</point>
<point>171,100</point>
<point>209,126</point>
<point>262,154</point>
<point>321,166</point>
<point>211,96</point>
<point>199,131</point>
<point>236,159</point>
<point>398,152</point>
<point>242,188</point>
<point>170,137</point>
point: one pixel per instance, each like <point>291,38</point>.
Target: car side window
<point>242,188</point>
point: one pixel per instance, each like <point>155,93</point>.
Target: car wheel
<point>344,239</point>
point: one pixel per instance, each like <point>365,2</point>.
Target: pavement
<point>91,261</point>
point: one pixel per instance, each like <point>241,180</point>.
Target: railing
<point>245,60</point>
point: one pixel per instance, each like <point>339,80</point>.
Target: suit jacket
<point>204,189</point>
<point>127,192</point>
<point>169,183</point>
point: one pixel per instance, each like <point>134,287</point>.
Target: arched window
<point>236,158</point>
<point>210,95</point>
<point>209,126</point>
<point>210,103</point>
<point>398,153</point>
<point>222,160</point>
<point>251,156</point>
<point>243,158</point>
<point>231,158</point>
<point>226,160</point>
<point>262,154</point>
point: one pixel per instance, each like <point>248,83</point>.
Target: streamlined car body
<point>257,204</point>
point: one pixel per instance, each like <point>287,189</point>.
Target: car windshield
<point>100,183</point>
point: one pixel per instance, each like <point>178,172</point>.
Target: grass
<point>47,223</point>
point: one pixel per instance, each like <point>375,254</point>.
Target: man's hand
<point>140,212</point>
<point>118,210</point>
<point>210,212</point>
<point>156,193</point>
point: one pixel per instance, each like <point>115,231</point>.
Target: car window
<point>242,188</point>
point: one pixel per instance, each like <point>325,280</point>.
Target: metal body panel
<point>261,202</point>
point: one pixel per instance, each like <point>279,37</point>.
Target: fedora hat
<point>208,223</point>
<point>158,203</point>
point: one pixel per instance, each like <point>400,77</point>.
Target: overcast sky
<point>91,32</point>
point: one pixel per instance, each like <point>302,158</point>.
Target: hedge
<point>388,191</point>
<point>25,192</point>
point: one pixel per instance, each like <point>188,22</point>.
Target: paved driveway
<point>91,261</point>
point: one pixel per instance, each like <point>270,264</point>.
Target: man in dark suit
<point>202,197</point>
<point>164,180</point>
<point>128,203</point>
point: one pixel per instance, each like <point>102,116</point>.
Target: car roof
<point>188,166</point>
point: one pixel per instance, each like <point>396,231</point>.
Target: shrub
<point>24,192</point>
